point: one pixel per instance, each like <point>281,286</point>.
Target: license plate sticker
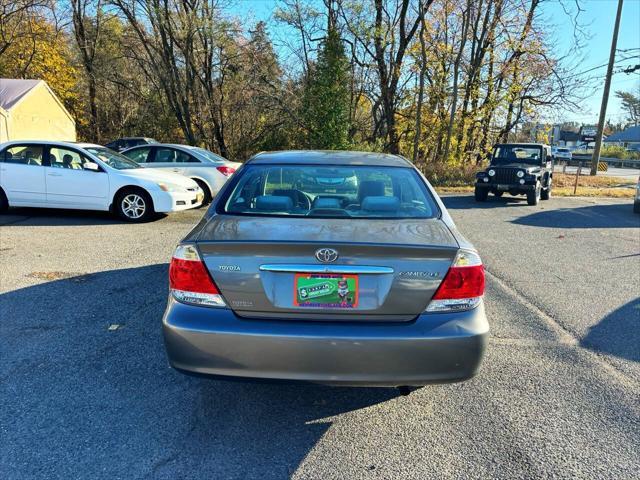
<point>325,290</point>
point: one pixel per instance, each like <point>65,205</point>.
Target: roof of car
<point>51,142</point>
<point>133,138</point>
<point>524,144</point>
<point>329,157</point>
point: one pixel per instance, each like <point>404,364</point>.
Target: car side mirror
<point>92,167</point>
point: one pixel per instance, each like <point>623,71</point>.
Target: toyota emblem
<point>326,255</point>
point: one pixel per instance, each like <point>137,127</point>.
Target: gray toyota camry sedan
<point>329,267</point>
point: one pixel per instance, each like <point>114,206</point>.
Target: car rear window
<point>328,191</point>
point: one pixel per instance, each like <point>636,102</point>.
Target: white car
<point>207,169</point>
<point>89,177</point>
<point>563,153</point>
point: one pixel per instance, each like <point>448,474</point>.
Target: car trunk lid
<point>391,268</point>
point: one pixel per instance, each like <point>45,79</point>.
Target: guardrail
<point>585,160</point>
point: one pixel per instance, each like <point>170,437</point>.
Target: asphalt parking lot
<point>557,396</point>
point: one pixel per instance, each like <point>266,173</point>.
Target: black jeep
<point>517,168</point>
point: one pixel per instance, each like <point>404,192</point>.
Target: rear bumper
<point>435,348</point>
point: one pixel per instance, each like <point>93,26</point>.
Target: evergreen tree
<point>326,97</point>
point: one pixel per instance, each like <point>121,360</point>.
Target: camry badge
<point>326,255</point>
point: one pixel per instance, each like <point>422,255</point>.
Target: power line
<point>595,68</point>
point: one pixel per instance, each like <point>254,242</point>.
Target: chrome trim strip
<point>346,269</point>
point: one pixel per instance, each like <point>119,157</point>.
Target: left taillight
<point>462,287</point>
<point>189,280</point>
<point>226,171</point>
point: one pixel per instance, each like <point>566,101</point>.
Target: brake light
<point>463,285</point>
<point>190,281</point>
<point>226,171</point>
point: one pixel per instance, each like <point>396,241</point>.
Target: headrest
<point>285,192</point>
<point>326,202</point>
<point>380,204</point>
<point>273,203</point>
<point>370,188</point>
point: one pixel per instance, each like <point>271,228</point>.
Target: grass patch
<point>599,181</point>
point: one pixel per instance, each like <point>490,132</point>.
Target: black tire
<point>545,194</point>
<point>498,194</point>
<point>636,207</point>
<point>533,196</point>
<point>207,193</point>
<point>134,205</point>
<point>481,194</point>
<point>4,203</point>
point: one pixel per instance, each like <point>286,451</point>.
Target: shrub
<point>450,175</point>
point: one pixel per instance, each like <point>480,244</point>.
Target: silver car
<point>208,170</point>
<point>362,279</point>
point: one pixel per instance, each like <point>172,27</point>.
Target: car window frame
<point>43,161</point>
<point>139,147</point>
<point>193,158</point>
<point>223,195</point>
<point>156,154</point>
<point>84,155</point>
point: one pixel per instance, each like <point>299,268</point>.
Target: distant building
<point>568,139</point>
<point>626,138</point>
<point>29,110</point>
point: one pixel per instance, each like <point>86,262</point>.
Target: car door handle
<point>176,169</point>
<point>54,174</point>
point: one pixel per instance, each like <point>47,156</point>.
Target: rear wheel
<point>545,194</point>
<point>4,203</point>
<point>134,205</point>
<point>533,196</point>
<point>498,194</point>
<point>636,206</point>
<point>481,194</point>
<point>207,193</point>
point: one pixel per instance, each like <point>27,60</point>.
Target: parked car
<point>563,153</point>
<point>127,142</point>
<point>636,200</point>
<point>88,177</point>
<point>208,170</point>
<point>517,168</point>
<point>371,285</point>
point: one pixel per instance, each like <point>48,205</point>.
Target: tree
<point>42,52</point>
<point>326,98</point>
<point>630,105</point>
<point>87,32</point>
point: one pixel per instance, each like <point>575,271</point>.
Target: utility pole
<point>605,96</point>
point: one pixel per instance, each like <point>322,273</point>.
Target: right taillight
<point>189,280</point>
<point>462,287</point>
<point>226,171</point>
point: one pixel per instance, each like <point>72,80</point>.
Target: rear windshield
<point>328,191</point>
